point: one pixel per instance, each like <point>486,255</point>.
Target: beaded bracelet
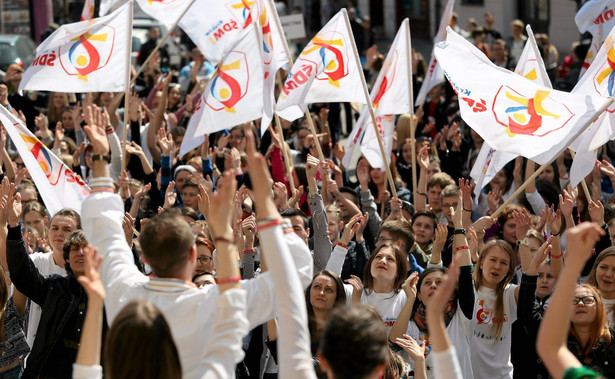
<point>462,247</point>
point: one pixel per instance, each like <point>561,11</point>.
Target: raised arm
<point>553,332</point>
<point>322,243</point>
<point>423,163</point>
<point>87,364</point>
<point>294,354</point>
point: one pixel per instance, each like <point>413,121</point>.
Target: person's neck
<point>383,286</point>
<point>58,258</point>
<point>583,331</point>
<point>423,246</point>
<point>609,295</point>
<point>321,317</point>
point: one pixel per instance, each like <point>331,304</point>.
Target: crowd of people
<point>226,263</point>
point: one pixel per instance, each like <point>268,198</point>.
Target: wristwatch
<point>524,242</point>
<point>101,157</point>
<point>459,231</point>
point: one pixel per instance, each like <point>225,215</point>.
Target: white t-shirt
<point>491,357</point>
<point>609,304</point>
<point>47,267</point>
<point>457,331</point>
<point>387,304</point>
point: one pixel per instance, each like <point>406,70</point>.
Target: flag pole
<point>371,108</point>
<point>412,117</point>
<point>583,183</point>
<point>285,153</point>
<point>541,168</point>
<point>127,90</point>
<point>308,115</point>
<point>162,41</point>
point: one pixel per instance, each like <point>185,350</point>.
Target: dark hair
<point>70,213</point>
<point>76,238</point>
<point>166,241</point>
<point>198,275</point>
<point>399,229</point>
<point>354,341</point>
<point>355,196</point>
<point>186,211</point>
<point>428,214</point>
<point>34,207</point>
<point>400,261</point>
<point>140,344</point>
<point>292,212</point>
<point>340,301</point>
<point>422,277</point>
<point>4,296</point>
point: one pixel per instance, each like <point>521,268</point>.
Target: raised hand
<point>409,285</point>
<point>294,199</point>
<point>580,242</point>
<point>540,256</point>
<point>203,200</point>
<point>165,142</point>
<point>412,347</point>
<point>566,203</point>
<point>221,207</point>
<point>96,123</point>
<point>554,220</point>
<point>423,158</point>
<point>280,195</point>
<point>90,280</point>
<point>606,168</point>
<point>169,195</point>
<point>357,288</point>
<point>522,222</point>
<point>363,174</point>
<point>350,229</point>
<point>596,212</point>
<point>493,199</point>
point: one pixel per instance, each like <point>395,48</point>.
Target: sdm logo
<point>230,83</point>
<point>328,52</point>
<point>89,53</point>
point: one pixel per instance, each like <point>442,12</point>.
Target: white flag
<point>57,183</point>
<point>325,71</point>
<point>274,54</point>
<point>594,14</point>
<point>390,96</point>
<point>490,161</point>
<point>88,10</point>
<point>600,80</point>
<point>105,6</point>
<point>435,75</point>
<point>85,56</point>
<point>213,25</point>
<point>234,95</point>
<point>510,112</point>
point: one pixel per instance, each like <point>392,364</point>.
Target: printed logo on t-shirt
<point>485,316</point>
<point>389,321</point>
<point>425,338</point>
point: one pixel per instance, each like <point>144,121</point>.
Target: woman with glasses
<point>590,340</point>
<point>204,255</point>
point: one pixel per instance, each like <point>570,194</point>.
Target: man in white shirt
<point>168,246</point>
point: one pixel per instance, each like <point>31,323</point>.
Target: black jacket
<point>530,310</point>
<point>603,356</point>
<point>62,300</point>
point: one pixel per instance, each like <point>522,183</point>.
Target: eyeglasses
<point>586,300</point>
<point>203,260</point>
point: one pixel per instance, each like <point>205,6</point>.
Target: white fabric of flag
<point>600,80</point>
<point>435,75</point>
<point>234,95</point>
<point>88,10</point>
<point>325,71</point>
<point>274,54</point>
<point>105,6</point>
<point>390,95</point>
<point>510,112</point>
<point>85,56</point>
<point>594,14</point>
<point>490,161</point>
<point>57,183</point>
<point>213,25</point>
